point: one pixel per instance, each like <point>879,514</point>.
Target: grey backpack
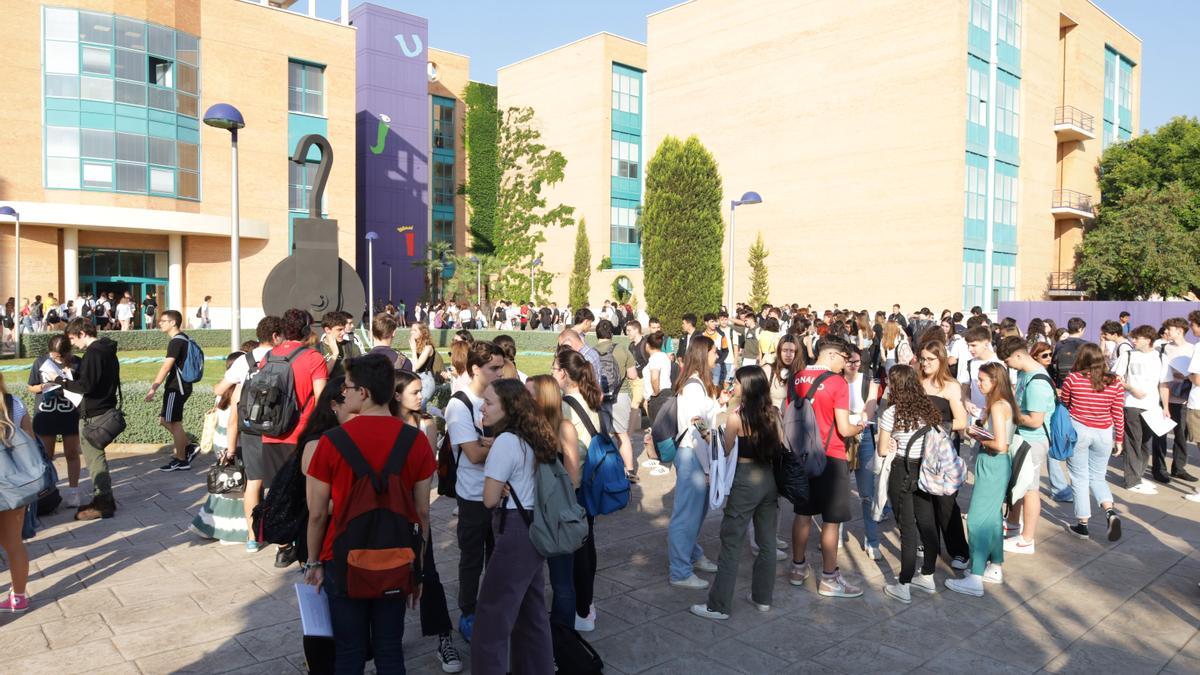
<point>559,523</point>
<point>23,472</point>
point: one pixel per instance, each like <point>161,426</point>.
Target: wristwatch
<point>306,566</point>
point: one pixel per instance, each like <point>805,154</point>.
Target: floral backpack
<point>942,470</point>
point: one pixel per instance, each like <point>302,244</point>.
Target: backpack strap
<point>394,465</point>
<point>583,416</point>
<point>1045,378</point>
<point>353,456</point>
<point>251,364</point>
<point>812,390</point>
<point>920,435</point>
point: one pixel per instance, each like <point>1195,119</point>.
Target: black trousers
<point>585,571</point>
<point>475,545</point>
<point>950,525</point>
<point>915,516</point>
<point>435,617</point>
<point>1159,443</point>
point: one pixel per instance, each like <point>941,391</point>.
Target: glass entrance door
<point>121,271</point>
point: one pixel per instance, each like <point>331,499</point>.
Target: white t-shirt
<point>1193,402</point>
<point>237,372</point>
<point>511,460</point>
<point>464,427</point>
<point>659,361</point>
<point>124,311</point>
<point>968,373</point>
<point>1140,370</point>
<point>958,349</point>
<point>464,317</point>
<point>1176,359</point>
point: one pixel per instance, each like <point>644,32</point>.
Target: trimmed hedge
<point>142,417</point>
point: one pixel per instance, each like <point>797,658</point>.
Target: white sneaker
<point>704,612</point>
<point>692,582</point>
<point>924,582</point>
<point>650,463</point>
<point>971,584</point>
<point>993,574</point>
<point>1194,497</point>
<point>872,552</point>
<point>586,624</point>
<point>70,497</point>
<point>761,608</point>
<point>836,586</point>
<point>1018,544</point>
<point>960,563</point>
<point>1011,530</point>
<point>899,592</point>
<point>782,545</point>
<point>1144,488</point>
<point>454,512</point>
<point>705,565</point>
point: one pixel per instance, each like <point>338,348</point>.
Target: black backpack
<point>572,653</point>
<point>612,378</point>
<point>447,458</point>
<point>268,406</point>
<point>280,518</point>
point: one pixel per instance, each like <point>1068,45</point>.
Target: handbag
<point>101,430</point>
<point>23,474</point>
<point>226,478</point>
<point>209,430</point>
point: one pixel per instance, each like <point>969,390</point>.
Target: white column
<point>70,263</point>
<point>345,12</point>
<point>175,273</point>
<point>312,8</point>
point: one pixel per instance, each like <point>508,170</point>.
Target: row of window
<point>306,88</point>
<point>624,218</point>
<point>626,156</point>
<point>626,93</point>
<point>443,183</point>
<point>121,146</point>
<point>443,123</point>
<point>1004,274</point>
<point>1008,106</point>
<point>981,14</point>
<point>1008,22</point>
<point>87,174</point>
<point>977,91</point>
<point>106,29</point>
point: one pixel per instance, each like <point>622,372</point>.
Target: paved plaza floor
<point>139,594</point>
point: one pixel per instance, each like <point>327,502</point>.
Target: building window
<point>443,182</point>
<point>306,88</point>
<point>626,91</point>
<point>1004,207</point>
<point>625,222</point>
<point>160,72</point>
<point>300,182</point>
<point>1008,106</point>
<point>981,14</point>
<point>626,156</point>
<point>443,123</point>
<point>1008,22</point>
<point>975,207</point>
<point>443,230</point>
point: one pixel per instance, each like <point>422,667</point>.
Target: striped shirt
<point>1095,409</point>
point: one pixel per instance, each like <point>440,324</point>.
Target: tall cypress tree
<point>580,284</point>
<point>759,284</point>
<point>682,231</point>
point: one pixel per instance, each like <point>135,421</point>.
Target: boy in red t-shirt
<point>829,492</point>
<point>368,388</point>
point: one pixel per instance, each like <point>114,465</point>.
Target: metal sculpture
<point>313,277</point>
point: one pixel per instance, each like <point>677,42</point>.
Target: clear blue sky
<point>495,33</point>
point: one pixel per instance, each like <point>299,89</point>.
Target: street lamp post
<point>748,198</point>
<point>389,266</point>
<point>12,213</point>
<point>536,261</point>
<point>478,278</point>
<point>225,116</point>
<point>371,237</point>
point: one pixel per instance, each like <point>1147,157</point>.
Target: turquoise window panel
<point>627,94</point>
<point>306,87</point>
<point>624,235</point>
<point>1004,276</point>
<point>1125,94</point>
<point>1008,35</point>
<point>161,130</point>
<point>977,105</point>
<point>973,263</point>
<point>188,135</point>
<point>1124,134</point>
<point>975,202</point>
<point>132,111</point>
<point>443,124</point>
<point>68,104</point>
<point>443,155</point>
<point>626,122</point>
<point>163,117</point>
<point>97,107</point>
<point>626,188</point>
<point>97,120</point>
<point>300,126</point>
<point>979,29</point>
<point>62,118</point>
<point>1008,117</point>
<point>1110,83</point>
<point>130,125</point>
<point>187,123</point>
<point>625,255</point>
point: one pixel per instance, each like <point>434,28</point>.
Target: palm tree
<point>440,254</point>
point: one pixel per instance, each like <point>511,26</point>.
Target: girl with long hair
<point>581,408</point>
<point>907,422</point>
<point>993,468</point>
<point>549,399</point>
<point>945,392</point>
<point>408,402</point>
<point>12,521</point>
<point>779,372</point>
<point>511,617</point>
<point>222,516</point>
<point>755,428</point>
<point>54,415</point>
<point>1096,399</point>
<point>458,374</point>
<point>421,344</point>
<point>1035,332</point>
<point>697,411</point>
<point>895,346</point>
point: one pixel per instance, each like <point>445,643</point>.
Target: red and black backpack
<point>376,548</point>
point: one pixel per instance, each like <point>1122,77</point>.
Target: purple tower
<point>392,149</point>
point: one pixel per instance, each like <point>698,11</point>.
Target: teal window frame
<point>1008,117</point>
<point>979,32</point>
<point>1008,35</point>
<point>628,94</point>
<point>443,228</point>
<point>443,123</point>
<point>625,244</point>
<point>1004,277</point>
<point>975,202</point>
<point>973,278</point>
<point>1118,97</point>
<point>978,80</point>
<point>111,112</point>
<point>626,154</point>
<point>442,182</point>
<point>1005,212</point>
<point>303,88</point>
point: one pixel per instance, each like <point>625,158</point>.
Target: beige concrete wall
<point>454,73</point>
<point>570,90</point>
<point>848,119</point>
<point>238,65</point>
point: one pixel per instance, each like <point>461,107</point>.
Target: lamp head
<point>9,211</point>
<point>224,116</point>
<point>748,198</point>
<point>537,261</point>
<point>474,259</point>
<point>372,236</point>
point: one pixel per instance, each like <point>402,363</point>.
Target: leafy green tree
<point>441,254</point>
<point>526,168</point>
<point>581,275</point>
<point>1142,246</point>
<point>482,127</point>
<point>759,283</point>
<point>682,231</point>
<point>1155,160</point>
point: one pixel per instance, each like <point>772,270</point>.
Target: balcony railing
<point>1071,204</point>
<point>1072,124</point>
<point>1064,284</point>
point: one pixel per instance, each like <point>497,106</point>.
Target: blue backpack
<point>1060,431</point>
<point>604,487</point>
<point>191,370</point>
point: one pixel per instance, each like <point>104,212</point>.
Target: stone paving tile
<point>636,650</point>
<point>125,620</point>
<point>76,630</point>
<point>743,658</point>
<point>218,656</point>
<point>958,660</point>
<point>80,658</point>
<point>1090,656</point>
<point>23,641</point>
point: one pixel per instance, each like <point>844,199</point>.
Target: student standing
<point>779,370</point>
<point>1095,399</point>
<point>99,382</point>
<point>56,416</point>
<point>221,516</point>
<point>1035,405</point>
<point>863,405</point>
<point>1140,370</point>
<point>993,469</point>
<point>905,425</point>
<point>1174,388</point>
<point>12,522</point>
<point>471,440</point>
<point>512,607</point>
<point>177,391</point>
<point>946,395</point>
<point>755,430</point>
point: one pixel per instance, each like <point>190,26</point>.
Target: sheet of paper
<point>1159,424</point>
<point>314,611</point>
<point>74,398</point>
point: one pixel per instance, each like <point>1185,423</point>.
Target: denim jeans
<point>1089,466</point>
<point>864,477</point>
<point>687,514</point>
<point>365,626</point>
<point>1058,479</point>
<point>562,586</point>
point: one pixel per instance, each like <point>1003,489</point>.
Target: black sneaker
<point>192,451</point>
<point>448,656</point>
<point>172,465</point>
<point>285,556</point>
<point>1161,478</point>
<point>1114,526</point>
<point>1080,530</point>
<point>1184,476</point>
<point>184,464</point>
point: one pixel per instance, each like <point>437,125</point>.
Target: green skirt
<point>221,518</point>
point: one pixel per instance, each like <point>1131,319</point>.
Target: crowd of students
<point>350,447</point>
